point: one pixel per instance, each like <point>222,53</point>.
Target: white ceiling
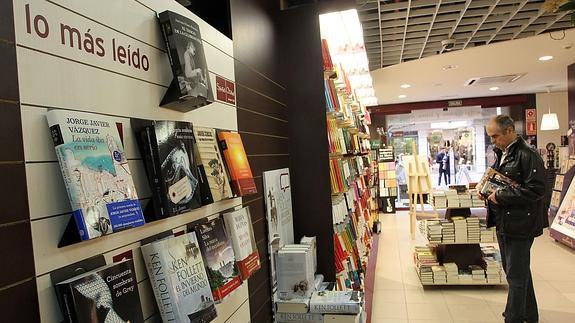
<point>397,31</point>
<point>429,81</point>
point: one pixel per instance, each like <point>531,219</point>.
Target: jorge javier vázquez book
<point>240,231</point>
<point>219,258</point>
<point>95,172</point>
<point>179,280</point>
<point>106,294</point>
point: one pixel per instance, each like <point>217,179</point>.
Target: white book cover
<point>179,280</point>
<point>212,161</point>
<point>277,195</point>
<point>96,173</point>
<point>336,302</point>
<point>294,272</point>
<point>239,228</point>
<point>298,318</point>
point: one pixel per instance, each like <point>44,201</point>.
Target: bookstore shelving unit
<point>387,179</point>
<point>563,180</point>
<point>351,175</point>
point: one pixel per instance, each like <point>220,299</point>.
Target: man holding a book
<point>514,187</point>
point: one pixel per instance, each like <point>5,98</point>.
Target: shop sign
<point>226,90</point>
<point>455,103</point>
<point>530,115</point>
<point>531,128</point>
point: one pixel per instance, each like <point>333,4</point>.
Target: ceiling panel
<point>396,31</point>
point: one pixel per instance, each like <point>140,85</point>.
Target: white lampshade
<point>550,122</point>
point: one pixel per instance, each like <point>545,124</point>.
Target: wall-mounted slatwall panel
<point>17,275</point>
<point>53,73</point>
<point>262,121</point>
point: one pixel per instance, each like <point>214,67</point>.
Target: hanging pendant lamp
<point>549,120</point>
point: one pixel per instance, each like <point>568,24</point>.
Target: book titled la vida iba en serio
<point>168,151</point>
<point>179,280</point>
<point>95,172</point>
<point>106,294</point>
<point>219,258</point>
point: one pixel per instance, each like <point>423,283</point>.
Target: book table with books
<point>454,254</point>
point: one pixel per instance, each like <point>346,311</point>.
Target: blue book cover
<point>96,173</point>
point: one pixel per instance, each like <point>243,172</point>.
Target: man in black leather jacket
<point>518,214</point>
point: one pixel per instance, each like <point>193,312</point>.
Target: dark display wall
<point>262,121</point>
<point>17,273</point>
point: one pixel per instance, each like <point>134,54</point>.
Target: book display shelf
<point>352,177</point>
<point>461,251</point>
<point>387,179</point>
<point>109,196</point>
<point>561,220</point>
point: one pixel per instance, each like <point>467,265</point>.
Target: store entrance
<point>453,140</point>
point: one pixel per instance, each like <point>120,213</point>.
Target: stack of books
<point>452,272</point>
<point>448,231</point>
<point>493,271</point>
<point>439,274</point>
<point>437,198</point>
<point>425,258</point>
<point>478,274</point>
<point>460,228</point>
<point>487,234</point>
<point>465,199</point>
<point>295,271</point>
<point>452,198</point>
<point>475,200</point>
<point>473,230</point>
<point>434,233</point>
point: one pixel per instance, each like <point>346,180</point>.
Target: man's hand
<point>492,199</point>
<point>481,197</point>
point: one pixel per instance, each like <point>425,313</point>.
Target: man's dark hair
<point>503,122</point>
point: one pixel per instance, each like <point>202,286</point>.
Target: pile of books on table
<point>488,234</point>
<point>448,231</point>
<point>425,259</point>
<point>473,230</point>
<point>452,272</point>
<point>434,231</point>
<point>478,274</point>
<point>438,199</point>
<point>460,224</point>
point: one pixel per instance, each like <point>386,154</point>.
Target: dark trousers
<point>445,174</point>
<point>521,303</point>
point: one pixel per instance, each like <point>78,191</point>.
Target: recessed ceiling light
<point>546,58</point>
<point>495,88</point>
<point>405,86</point>
<point>402,96</point>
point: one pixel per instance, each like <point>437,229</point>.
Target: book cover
<point>106,294</point>
<point>187,57</point>
<point>241,233</point>
<point>279,216</point>
<point>237,162</point>
<point>168,151</point>
<point>212,163</point>
<point>294,305</point>
<point>96,173</point>
<point>219,258</point>
<point>298,318</point>
<point>336,302</point>
<point>179,280</point>
<point>491,181</point>
<point>295,275</point>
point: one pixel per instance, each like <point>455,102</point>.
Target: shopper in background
<point>439,160</point>
<point>517,213</point>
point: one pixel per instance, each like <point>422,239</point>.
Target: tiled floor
<point>400,298</point>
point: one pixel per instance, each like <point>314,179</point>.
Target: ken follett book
<point>167,148</point>
<point>96,173</point>
<point>219,258</point>
<point>179,280</point>
<point>237,162</point>
<point>187,58</point>
<point>106,294</point>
